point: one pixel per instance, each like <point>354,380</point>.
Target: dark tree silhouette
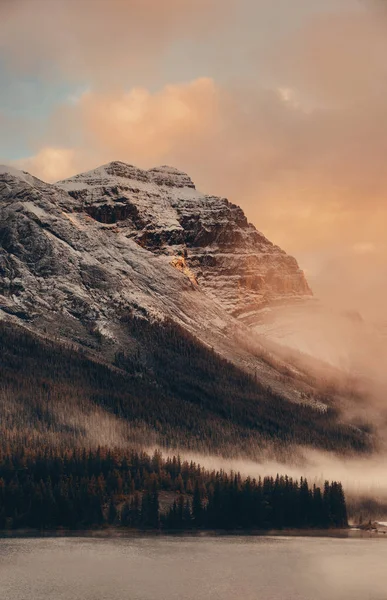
<point>81,489</point>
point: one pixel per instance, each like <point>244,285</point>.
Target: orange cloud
<point>148,127</point>
<point>134,126</point>
<point>50,164</point>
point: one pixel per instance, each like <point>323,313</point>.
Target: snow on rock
<point>163,212</point>
<point>170,177</point>
<point>8,173</point>
<point>79,257</point>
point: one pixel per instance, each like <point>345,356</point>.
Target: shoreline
<point>111,533</point>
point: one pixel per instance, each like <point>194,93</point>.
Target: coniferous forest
<point>88,489</point>
<point>167,390</point>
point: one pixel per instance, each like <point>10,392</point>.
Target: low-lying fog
<point>338,347</point>
<point>349,351</point>
<point>343,340</point>
<point>366,475</point>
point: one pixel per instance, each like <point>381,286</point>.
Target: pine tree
<point>187,515</point>
<point>197,507</point>
<point>112,513</point>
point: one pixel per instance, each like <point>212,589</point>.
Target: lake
<point>193,568</point>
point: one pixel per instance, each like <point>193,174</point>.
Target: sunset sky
<point>280,105</point>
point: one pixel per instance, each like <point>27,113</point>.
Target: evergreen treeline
<point>166,386</point>
<point>82,489</point>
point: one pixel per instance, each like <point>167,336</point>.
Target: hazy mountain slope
<point>170,391</point>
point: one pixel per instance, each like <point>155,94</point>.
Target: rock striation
<point>161,210</point>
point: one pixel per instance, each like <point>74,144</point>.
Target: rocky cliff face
<point>79,257</point>
<point>161,211</point>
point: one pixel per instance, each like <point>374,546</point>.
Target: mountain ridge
<point>166,214</point>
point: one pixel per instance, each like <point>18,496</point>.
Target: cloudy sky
<point>280,105</point>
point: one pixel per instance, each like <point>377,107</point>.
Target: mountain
<point>140,286</point>
<point>80,257</point>
<point>207,236</point>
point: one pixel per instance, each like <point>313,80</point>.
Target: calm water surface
<point>224,568</point>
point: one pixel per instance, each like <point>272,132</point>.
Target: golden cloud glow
<point>49,164</point>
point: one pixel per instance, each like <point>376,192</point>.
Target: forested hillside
<point>166,389</point>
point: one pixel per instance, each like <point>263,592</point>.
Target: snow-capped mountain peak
<point>163,212</point>
<point>78,256</point>
<point>119,173</point>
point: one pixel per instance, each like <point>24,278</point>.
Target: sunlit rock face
<point>161,210</point>
<point>86,244</point>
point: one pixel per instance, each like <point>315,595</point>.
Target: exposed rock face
<point>162,211</point>
<point>78,257</point>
